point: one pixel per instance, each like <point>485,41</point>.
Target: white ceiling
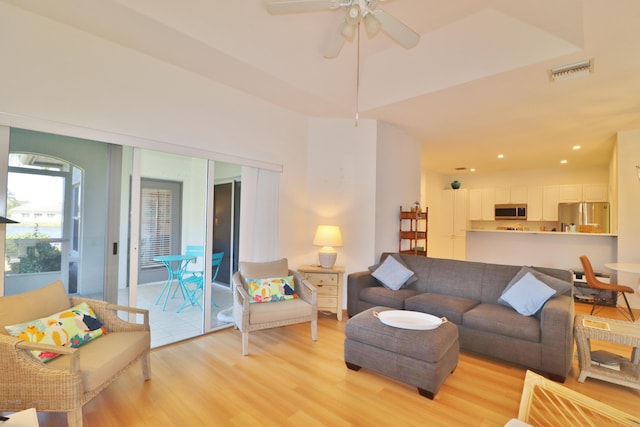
<point>475,86</point>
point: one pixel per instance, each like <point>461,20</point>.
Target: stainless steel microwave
<point>511,211</point>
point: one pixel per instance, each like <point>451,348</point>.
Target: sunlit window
<point>35,198</point>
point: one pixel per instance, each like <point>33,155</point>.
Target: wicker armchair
<point>69,381</point>
<point>547,403</point>
<point>253,317</point>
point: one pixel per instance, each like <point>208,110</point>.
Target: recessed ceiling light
<point>564,162</point>
<point>472,169</point>
<point>576,147</point>
<point>501,156</point>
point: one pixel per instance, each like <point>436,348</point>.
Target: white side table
<point>616,331</point>
<point>328,283</point>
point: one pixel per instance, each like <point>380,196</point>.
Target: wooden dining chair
<point>600,287</point>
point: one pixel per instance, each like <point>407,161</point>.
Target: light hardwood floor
<point>288,380</point>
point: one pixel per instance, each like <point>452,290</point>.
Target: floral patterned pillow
<point>271,289</point>
<point>69,328</point>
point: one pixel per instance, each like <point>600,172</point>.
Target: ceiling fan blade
<point>397,30</point>
<point>295,6</point>
<point>335,43</point>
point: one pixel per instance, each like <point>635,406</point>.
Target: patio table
<point>176,266</point>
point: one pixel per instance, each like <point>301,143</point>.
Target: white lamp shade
<point>327,236</point>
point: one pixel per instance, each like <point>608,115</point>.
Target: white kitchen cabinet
<point>481,204</point>
<point>506,195</point>
<point>569,193</point>
<point>534,203</point>
<point>454,223</point>
<point>595,192</point>
<point>502,195</point>
<point>519,194</point>
<point>550,202</point>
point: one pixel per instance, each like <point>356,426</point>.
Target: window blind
<point>155,225</point>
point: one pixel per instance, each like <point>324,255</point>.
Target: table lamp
<point>327,236</point>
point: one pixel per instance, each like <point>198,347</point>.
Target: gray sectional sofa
<point>467,293</point>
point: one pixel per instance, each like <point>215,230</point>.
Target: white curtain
<point>258,215</point>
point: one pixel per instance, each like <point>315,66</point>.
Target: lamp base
<point>327,258</point>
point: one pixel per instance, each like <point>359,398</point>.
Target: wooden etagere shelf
<point>414,226</point>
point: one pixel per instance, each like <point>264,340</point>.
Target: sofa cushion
<point>379,295</point>
<point>560,286</point>
<point>527,295</point>
<point>392,273</point>
<point>398,257</point>
<point>33,304</point>
<point>100,359</point>
<point>453,277</point>
<point>440,305</point>
<point>502,320</point>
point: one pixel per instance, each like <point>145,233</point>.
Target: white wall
<point>397,184</point>
<point>341,188</point>
<point>60,80</point>
<point>628,156</point>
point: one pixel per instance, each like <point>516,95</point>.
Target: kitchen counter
<point>541,248</point>
<point>486,230</point>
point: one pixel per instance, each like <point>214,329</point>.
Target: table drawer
<point>320,279</point>
<point>327,303</point>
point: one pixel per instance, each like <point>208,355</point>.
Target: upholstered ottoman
<point>422,358</point>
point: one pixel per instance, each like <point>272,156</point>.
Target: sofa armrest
<point>556,328</point>
<point>355,283</point>
<point>108,314</point>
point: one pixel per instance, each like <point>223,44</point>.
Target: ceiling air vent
<point>571,71</point>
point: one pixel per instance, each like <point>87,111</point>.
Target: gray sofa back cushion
<point>461,278</point>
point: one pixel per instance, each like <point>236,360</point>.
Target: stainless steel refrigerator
<point>585,217</point>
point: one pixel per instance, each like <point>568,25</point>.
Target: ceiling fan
<point>356,12</point>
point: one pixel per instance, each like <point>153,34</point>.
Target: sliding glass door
<point>95,215</point>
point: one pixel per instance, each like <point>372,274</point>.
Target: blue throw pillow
<point>527,295</point>
<point>392,274</point>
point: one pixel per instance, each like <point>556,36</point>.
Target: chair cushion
<point>72,327</point>
<point>103,358</point>
<point>272,289</point>
<point>30,305</point>
<point>262,270</point>
<point>282,310</point>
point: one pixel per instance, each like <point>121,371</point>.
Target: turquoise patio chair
<point>193,281</point>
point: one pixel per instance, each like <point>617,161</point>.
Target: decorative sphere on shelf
<point>455,185</point>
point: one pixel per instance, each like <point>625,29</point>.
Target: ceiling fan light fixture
<point>353,14</point>
<point>348,31</point>
<point>372,25</point>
